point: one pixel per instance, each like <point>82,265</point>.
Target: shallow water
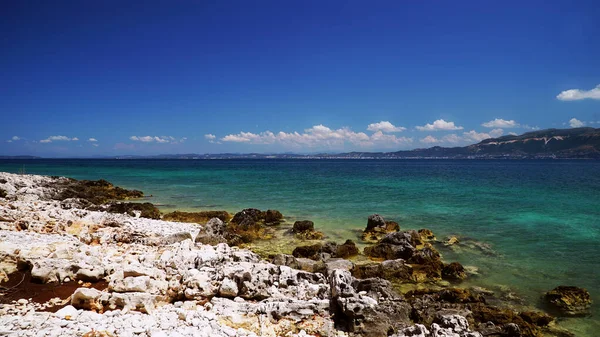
<point>541,219</point>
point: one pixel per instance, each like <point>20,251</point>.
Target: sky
<point>96,78</point>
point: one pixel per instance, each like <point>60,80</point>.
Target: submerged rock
<point>570,301</point>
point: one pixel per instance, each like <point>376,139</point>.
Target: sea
<point>525,226</point>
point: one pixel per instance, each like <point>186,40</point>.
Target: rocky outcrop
<point>129,275</point>
<point>430,305</point>
<point>569,301</point>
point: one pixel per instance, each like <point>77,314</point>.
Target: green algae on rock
<point>196,217</point>
<point>95,191</point>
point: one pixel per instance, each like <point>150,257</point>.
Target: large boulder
<point>570,301</point>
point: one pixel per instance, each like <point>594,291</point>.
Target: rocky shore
<point>77,260</point>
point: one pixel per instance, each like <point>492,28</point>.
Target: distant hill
<point>19,157</point>
<point>578,143</point>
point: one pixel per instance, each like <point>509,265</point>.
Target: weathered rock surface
<point>570,301</point>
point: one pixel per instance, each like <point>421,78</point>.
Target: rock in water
<point>570,301</point>
<point>454,272</point>
<point>377,227</point>
<point>305,230</point>
<point>273,217</point>
<point>303,226</point>
<point>375,222</point>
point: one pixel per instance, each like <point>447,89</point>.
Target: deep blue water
<point>541,219</point>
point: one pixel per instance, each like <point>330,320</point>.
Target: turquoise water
<point>538,221</point>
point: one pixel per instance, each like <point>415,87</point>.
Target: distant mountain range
<point>577,143</point>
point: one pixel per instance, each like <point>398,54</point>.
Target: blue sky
<point>87,78</point>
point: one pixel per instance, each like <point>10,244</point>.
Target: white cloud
<point>158,139</point>
<point>58,139</point>
<point>319,136</point>
<point>96,145</point>
<point>210,136</point>
<point>93,140</point>
<point>385,126</point>
<point>438,125</point>
<point>578,94</point>
<point>479,136</point>
<point>501,123</point>
<point>16,138</point>
<point>429,140</point>
<point>452,138</point>
<point>513,133</point>
<point>576,123</point>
